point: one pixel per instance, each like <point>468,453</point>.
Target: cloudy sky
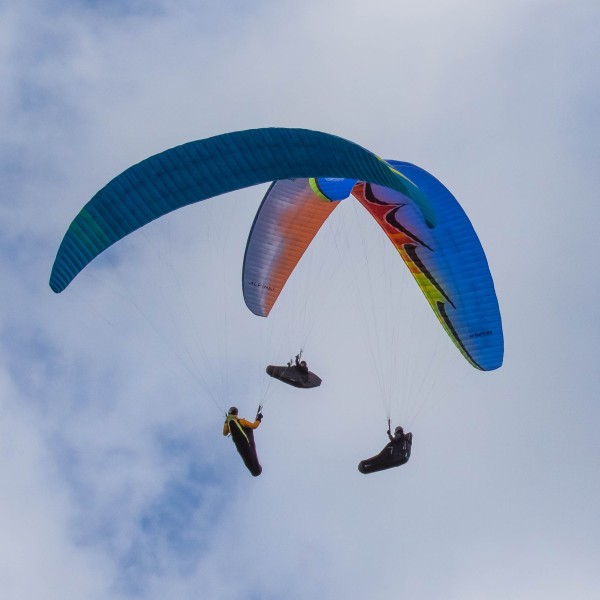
<point>115,479</point>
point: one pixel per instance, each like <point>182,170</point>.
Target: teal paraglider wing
<point>206,168</point>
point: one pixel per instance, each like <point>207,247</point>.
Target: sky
<point>116,480</point>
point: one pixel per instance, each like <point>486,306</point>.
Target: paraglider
<point>312,172</point>
<point>296,374</point>
<point>395,454</point>
<point>242,434</point>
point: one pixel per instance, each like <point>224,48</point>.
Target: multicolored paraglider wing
<point>207,168</point>
<point>447,262</point>
<point>288,219</point>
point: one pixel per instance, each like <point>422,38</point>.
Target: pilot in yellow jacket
<point>242,434</point>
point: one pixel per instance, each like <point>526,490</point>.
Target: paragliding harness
<point>294,374</point>
<point>394,454</point>
<point>243,439</point>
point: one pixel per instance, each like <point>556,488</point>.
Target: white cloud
<point>117,481</point>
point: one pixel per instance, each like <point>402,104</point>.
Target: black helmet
<point>233,411</point>
<point>398,430</point>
